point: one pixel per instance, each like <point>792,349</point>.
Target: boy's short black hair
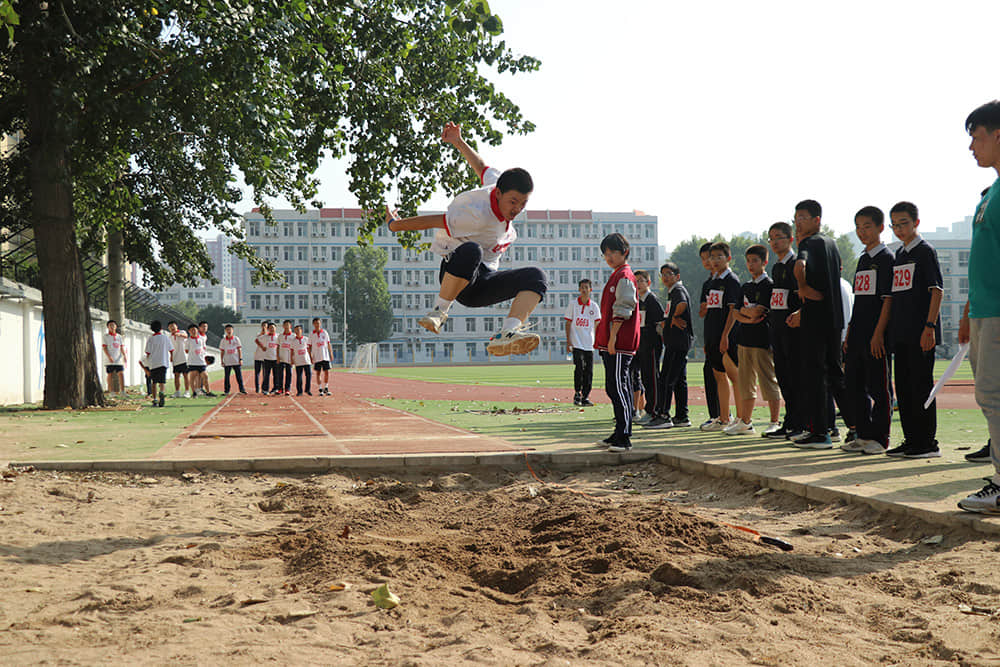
<point>615,241</point>
<point>873,213</point>
<point>297,326</point>
<point>155,326</point>
<point>705,247</point>
<point>271,324</point>
<point>172,322</point>
<point>758,250</point>
<point>286,322</point>
<point>113,322</point>
<point>721,246</point>
<point>316,319</point>
<point>584,281</point>
<point>192,326</point>
<point>671,267</point>
<point>227,326</point>
<point>203,322</point>
<point>906,207</point>
<point>782,227</point>
<point>641,273</point>
<point>811,206</point>
<point>515,179</point>
<point>988,115</point>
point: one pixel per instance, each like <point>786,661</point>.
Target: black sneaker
<point>585,402</point>
<point>834,434</point>
<point>780,434</point>
<point>607,442</point>
<point>852,435</point>
<point>930,451</point>
<point>576,399</point>
<point>621,444</point>
<point>898,451</point>
<point>208,393</point>
<point>682,422</point>
<point>161,400</point>
<point>658,422</point>
<point>981,456</point>
<point>308,393</point>
<point>814,441</point>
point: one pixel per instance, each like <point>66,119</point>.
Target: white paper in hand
<point>948,373</point>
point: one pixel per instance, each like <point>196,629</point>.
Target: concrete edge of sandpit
<point>563,460</point>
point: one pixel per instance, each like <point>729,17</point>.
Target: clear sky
<point>720,116</point>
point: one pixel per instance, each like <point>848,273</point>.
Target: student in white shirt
<point>209,360</point>
<point>321,350</point>
<point>117,357</point>
<point>232,358</point>
<point>195,348</point>
<point>582,317</point>
<point>179,340</point>
<point>272,379</point>
<point>284,382</point>
<point>259,348</point>
<point>302,361</point>
<point>159,354</point>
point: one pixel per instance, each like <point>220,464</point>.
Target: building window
<point>303,302</point>
<point>396,277</point>
<point>303,229</point>
<point>562,231</point>
<point>335,253</point>
<point>254,302</point>
<point>963,257</point>
<point>563,253</point>
<point>470,324</point>
<point>470,350</point>
<point>577,254</point>
<point>286,229</point>
<point>397,301</point>
<point>518,254</point>
<point>396,254</point>
<point>963,286</point>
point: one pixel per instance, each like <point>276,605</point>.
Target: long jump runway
<point>251,426</point>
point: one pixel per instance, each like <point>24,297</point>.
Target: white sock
<point>443,304</point>
<point>510,323</point>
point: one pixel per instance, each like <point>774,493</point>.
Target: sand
<point>625,565</point>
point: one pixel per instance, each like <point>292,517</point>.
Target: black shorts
<point>714,357</point>
<point>180,368</point>
<point>158,374</point>
<point>115,368</point>
<point>209,360</point>
<point>195,369</point>
<point>322,366</point>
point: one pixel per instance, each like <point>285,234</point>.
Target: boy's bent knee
<point>535,280</point>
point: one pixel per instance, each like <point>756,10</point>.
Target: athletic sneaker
<point>797,433</point>
<point>576,399</point>
<point>161,400</point>
<point>897,451</point>
<point>178,394</point>
<point>585,402</point>
<point>985,500</point>
<point>927,452</point>
<point>980,456</point>
<point>622,444</point>
<point>739,427</point>
<point>433,321</point>
<point>610,440</point>
<point>801,435</point>
<point>815,441</point>
<point>682,423</point>
<point>856,445</point>
<point>873,447</point>
<point>773,427</point>
<point>852,435</point>
<point>308,393</point>
<point>642,417</point>
<point>835,434</point>
<point>513,341</point>
<point>713,425</point>
<point>659,422</point>
<point>780,434</point>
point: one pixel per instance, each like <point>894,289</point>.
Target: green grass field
<point>551,375</point>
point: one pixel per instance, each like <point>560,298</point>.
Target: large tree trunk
<point>70,359</point>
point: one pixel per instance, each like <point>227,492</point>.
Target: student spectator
<point>677,332</point>
<point>711,390</point>
<point>159,355</point>
<point>284,382</point>
<point>117,357</point>
<point>196,350</point>
<point>582,317</point>
<point>720,333</point>
<point>259,349</point>
<point>321,352</point>
<point>232,358</point>
<point>272,377</point>
<point>205,384</point>
<point>785,339</point>
<point>302,361</point>
<point>646,362</point>
<point>178,339</point>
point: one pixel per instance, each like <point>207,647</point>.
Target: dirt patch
<point>629,565</point>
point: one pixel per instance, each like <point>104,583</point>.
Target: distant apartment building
<point>205,294</point>
<point>308,248</point>
<point>229,270</point>
<point>953,246</point>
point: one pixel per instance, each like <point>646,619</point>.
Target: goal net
<point>365,358</point>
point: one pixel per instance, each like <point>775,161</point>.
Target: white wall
<point>22,345</point>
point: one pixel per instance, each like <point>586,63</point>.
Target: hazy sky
<point>720,116</point>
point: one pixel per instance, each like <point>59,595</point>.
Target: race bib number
<point>714,298</point>
<point>864,283</point>
<point>302,352</point>
<point>902,277</point>
<point>779,299</point>
<point>583,322</point>
<point>642,318</point>
<point>272,344</point>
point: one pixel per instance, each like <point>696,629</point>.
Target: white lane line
<point>337,443</point>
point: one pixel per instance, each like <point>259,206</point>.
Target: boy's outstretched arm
<point>452,134</point>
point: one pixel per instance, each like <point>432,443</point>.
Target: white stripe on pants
<point>984,353</point>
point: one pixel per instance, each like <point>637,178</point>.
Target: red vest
<point>627,340</point>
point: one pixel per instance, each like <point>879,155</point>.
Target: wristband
<point>930,325</point>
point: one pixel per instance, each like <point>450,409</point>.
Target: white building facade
<point>308,248</point>
<point>205,294</point>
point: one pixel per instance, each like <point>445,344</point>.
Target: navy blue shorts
<point>486,286</point>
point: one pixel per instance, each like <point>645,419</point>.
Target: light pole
<point>345,314</point>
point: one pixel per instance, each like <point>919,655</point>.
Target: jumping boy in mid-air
<point>471,237</point>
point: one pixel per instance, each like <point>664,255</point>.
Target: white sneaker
<point>986,500</point>
<point>773,427</point>
<point>513,341</point>
<point>636,416</point>
<point>177,394</point>
<point>801,436</point>
<point>712,425</point>
<point>872,447</point>
<point>856,445</point>
<point>739,427</point>
<point>433,321</point>
<point>187,394</point>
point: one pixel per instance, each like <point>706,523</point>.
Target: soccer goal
<point>365,359</point>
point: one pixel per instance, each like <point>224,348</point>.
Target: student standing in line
<point>785,339</point>
<point>582,317</point>
<point>711,390</point>
<point>272,379</point>
<point>284,382</point>
<point>865,357</point>
<point>617,338</point>
<point>817,271</point>
<point>117,356</point>
<point>980,323</point>
<point>232,358</point>
<point>205,383</point>
<point>195,348</point>
<point>259,348</point>
<point>917,290</point>
<point>756,363</point>
<point>720,333</point>
<point>302,361</point>
<point>178,338</point>
<point>646,362</point>
<point>321,351</point>
<point>677,331</point>
<point>159,354</point>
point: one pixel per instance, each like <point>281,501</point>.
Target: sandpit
<point>623,565</point>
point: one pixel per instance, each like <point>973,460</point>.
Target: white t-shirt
<point>115,347</point>
<point>272,344</point>
<point>258,354</point>
<point>583,323</point>
<point>319,345</point>
<point>473,216</point>
<point>179,340</point>
<point>300,351</point>
<point>230,348</point>
<point>197,348</point>
<point>285,347</point>
<point>158,349</point>
<point>847,299</point>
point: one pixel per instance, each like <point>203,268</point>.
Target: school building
<point>953,245</point>
<point>308,248</point>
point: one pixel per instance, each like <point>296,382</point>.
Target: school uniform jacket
<point>618,304</point>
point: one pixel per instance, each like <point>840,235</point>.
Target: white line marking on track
<point>337,443</point>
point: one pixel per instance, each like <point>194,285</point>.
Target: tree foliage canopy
<point>369,304</point>
<point>218,316</point>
